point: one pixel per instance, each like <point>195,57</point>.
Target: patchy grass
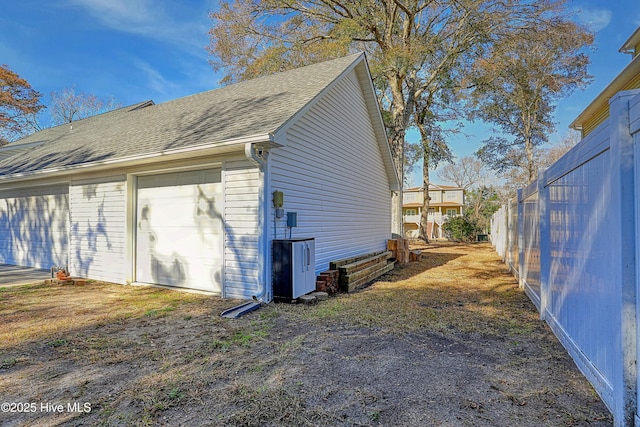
<point>449,290</point>
<point>36,311</point>
<point>449,340</point>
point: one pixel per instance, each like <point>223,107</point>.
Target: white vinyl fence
<point>570,238</point>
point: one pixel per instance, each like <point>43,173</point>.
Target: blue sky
<point>135,50</point>
<point>132,50</point>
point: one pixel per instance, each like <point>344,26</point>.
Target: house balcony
<point>436,217</point>
<point>412,219</point>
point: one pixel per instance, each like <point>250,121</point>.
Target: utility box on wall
<point>292,219</point>
<point>294,265</point>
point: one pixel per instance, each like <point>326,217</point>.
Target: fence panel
<point>578,247</point>
<point>498,231</point>
<point>581,303</point>
<point>530,242</point>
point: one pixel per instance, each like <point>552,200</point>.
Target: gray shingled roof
<point>254,107</point>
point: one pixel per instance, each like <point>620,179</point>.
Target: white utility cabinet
<point>294,265</point>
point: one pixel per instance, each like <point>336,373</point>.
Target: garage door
<point>179,238</point>
<point>34,226</point>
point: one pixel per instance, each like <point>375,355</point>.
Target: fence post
<point>509,242</point>
<point>545,243</point>
<point>505,233</point>
<point>520,242</point>
<point>622,223</point>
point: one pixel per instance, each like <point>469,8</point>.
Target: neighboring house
<point>180,193</point>
<point>598,111</point>
<point>445,202</point>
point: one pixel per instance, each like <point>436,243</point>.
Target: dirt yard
<point>448,341</point>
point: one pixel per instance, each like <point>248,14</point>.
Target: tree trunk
<point>424,216</point>
<point>423,231</point>
<point>531,167</point>
<point>396,142</point>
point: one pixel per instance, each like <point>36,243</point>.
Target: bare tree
<point>67,106</point>
<point>550,155</point>
<point>516,178</point>
<point>465,172</point>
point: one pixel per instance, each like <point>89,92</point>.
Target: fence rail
<point>570,239</point>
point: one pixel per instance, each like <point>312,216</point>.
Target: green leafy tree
<point>517,85</point>
<point>418,49</point>
<point>460,229</point>
<point>480,204</point>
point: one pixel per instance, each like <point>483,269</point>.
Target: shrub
<point>461,229</point>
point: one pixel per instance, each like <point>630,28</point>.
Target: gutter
<point>175,154</point>
<point>258,155</point>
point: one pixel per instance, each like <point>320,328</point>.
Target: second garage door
<point>34,226</point>
<point>179,238</point>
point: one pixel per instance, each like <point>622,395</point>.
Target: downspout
<point>258,156</point>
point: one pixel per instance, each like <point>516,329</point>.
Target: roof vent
<point>142,105</point>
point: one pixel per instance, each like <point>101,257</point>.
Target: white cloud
<point>133,16</point>
<point>155,80</point>
<point>595,19</point>
<point>176,22</point>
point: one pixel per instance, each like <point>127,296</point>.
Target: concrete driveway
<point>12,275</point>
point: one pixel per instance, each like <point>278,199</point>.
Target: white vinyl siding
<point>332,174</point>
<point>242,263</point>
<point>34,226</point>
<point>98,229</point>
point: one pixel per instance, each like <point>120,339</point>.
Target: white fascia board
<point>378,124</point>
<point>630,44</point>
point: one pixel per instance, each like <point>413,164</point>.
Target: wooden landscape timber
<point>356,272</point>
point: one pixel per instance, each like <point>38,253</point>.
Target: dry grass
<point>450,340</point>
<point>31,312</point>
<point>454,288</point>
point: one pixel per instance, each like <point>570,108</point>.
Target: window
<point>452,212</point>
<point>410,197</point>
<point>411,212</point>
<point>450,195</point>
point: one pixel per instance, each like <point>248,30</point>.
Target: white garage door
<point>34,226</point>
<point>179,238</point>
